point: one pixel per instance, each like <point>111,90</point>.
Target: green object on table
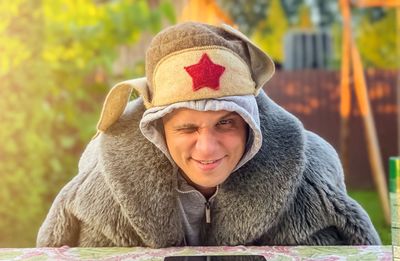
<point>394,185</point>
<point>394,174</point>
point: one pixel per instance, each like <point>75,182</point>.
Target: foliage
<point>374,30</point>
<point>249,14</point>
<point>246,13</point>
<point>304,22</point>
<point>336,33</point>
<point>56,59</point>
<point>326,12</point>
<point>270,32</point>
<point>376,39</point>
<point>291,8</point>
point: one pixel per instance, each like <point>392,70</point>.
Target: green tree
<point>374,30</point>
<point>55,68</point>
<point>304,21</point>
<point>291,8</point>
<point>376,39</point>
<point>246,13</point>
<point>327,11</point>
<point>270,33</point>
<point>22,132</point>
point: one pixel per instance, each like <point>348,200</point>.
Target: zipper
<point>208,212</point>
<point>207,225</point>
<point>208,207</point>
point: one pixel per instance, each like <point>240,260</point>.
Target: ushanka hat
<point>196,66</point>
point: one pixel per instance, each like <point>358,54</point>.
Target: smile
<point>207,161</point>
<point>207,165</point>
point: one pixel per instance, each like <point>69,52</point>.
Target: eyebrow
<point>185,126</point>
<point>232,113</point>
<point>192,125</point>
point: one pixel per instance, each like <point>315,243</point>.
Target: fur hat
<point>193,61</point>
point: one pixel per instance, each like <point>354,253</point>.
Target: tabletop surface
<point>138,253</point>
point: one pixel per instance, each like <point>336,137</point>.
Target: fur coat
<point>291,193</point>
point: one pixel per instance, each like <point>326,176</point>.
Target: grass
<point>369,200</point>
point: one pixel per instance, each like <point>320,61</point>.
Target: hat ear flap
<point>262,66</point>
<point>117,99</point>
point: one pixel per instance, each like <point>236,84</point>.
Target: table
<point>325,253</point>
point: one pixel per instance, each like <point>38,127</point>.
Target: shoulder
<point>285,135</point>
<point>128,122</point>
<point>275,118</point>
<point>322,161</point>
<point>91,162</point>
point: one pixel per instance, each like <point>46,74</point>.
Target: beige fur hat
<point>193,61</point>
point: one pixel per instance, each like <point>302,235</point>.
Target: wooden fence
<point>314,97</point>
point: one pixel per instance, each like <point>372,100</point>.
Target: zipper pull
<point>208,212</point>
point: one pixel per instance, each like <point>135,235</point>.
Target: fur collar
<point>248,203</point>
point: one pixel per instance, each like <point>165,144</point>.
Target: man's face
<point>206,145</point>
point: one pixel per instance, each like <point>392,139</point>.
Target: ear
<point>117,99</point>
<point>262,66</point>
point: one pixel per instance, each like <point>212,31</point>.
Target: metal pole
<point>345,92</point>
<point>374,153</point>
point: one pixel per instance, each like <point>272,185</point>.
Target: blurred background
<point>59,58</point>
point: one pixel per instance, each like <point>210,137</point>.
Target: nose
<point>206,144</point>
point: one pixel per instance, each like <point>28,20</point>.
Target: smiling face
<point>206,145</point>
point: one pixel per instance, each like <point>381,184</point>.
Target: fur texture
<point>291,193</point>
<point>191,35</point>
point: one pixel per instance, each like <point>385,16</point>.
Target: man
<point>204,157</point>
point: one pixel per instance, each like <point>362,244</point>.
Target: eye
<point>186,130</point>
<point>225,122</point>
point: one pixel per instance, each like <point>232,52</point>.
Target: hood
<point>246,106</point>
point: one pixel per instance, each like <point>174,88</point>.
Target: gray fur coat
<point>291,193</point>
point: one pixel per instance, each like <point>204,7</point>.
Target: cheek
<point>236,142</point>
<point>177,145</point>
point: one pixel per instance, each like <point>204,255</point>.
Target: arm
<point>350,225</point>
<point>346,219</point>
<point>60,227</point>
<point>353,222</point>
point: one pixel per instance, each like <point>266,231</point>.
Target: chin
<point>205,184</point>
<point>211,184</point>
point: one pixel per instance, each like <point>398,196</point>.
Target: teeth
<point>207,161</point>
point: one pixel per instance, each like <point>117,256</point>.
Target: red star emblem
<point>205,73</point>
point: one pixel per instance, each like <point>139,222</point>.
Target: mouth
<point>208,165</point>
<point>206,162</point>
